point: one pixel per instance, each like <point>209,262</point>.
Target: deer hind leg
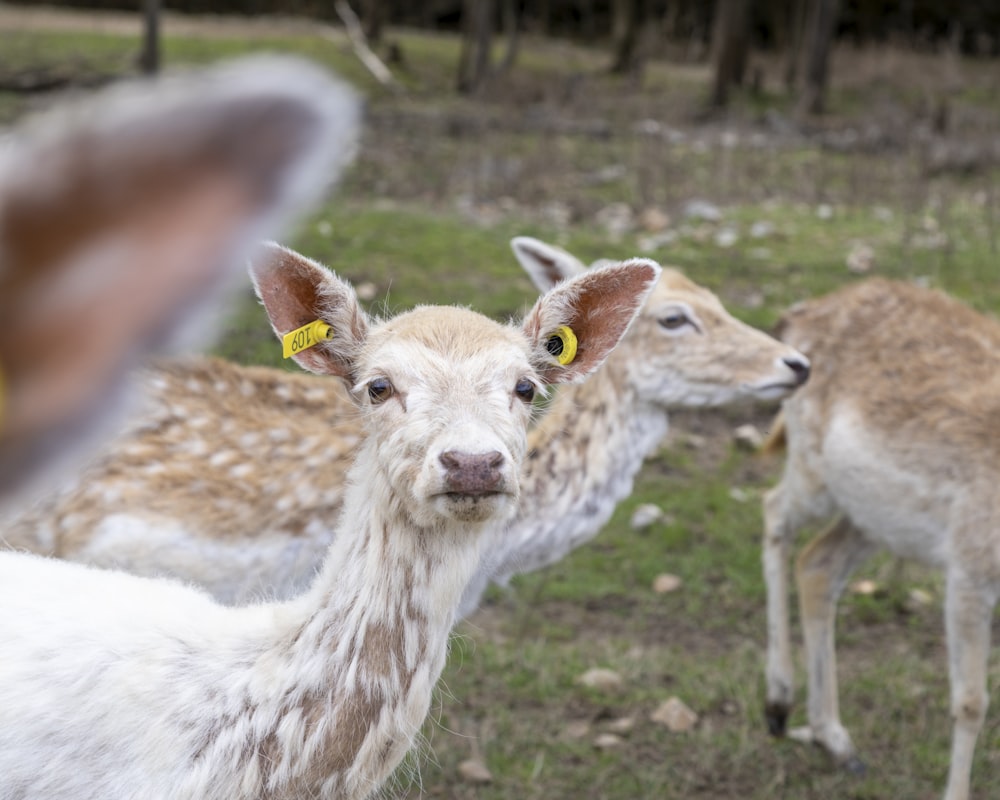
<point>821,573</point>
<point>787,507</point>
<point>968,612</point>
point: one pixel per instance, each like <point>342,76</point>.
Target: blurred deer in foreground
<point>896,439</point>
<point>234,476</point>
<point>117,686</point>
<point>121,219</point>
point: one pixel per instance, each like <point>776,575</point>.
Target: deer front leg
<point>968,611</point>
<point>779,669</point>
<point>821,574</point>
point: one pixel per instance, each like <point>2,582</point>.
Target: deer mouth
<point>475,505</point>
<point>474,494</point>
<point>773,391</point>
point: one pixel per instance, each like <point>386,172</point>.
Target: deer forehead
<point>433,342</point>
<point>674,287</point>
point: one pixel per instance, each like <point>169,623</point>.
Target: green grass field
<point>439,187</point>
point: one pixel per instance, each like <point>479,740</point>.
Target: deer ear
<point>123,219</point>
<point>546,265</point>
<point>574,326</point>
<point>296,292</point>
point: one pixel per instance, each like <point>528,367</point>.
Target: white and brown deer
<point>121,687</point>
<point>894,439</point>
<point>684,351</point>
<point>233,477</point>
<point>118,686</point>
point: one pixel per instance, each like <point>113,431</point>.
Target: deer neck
<point>582,460</point>
<point>373,634</point>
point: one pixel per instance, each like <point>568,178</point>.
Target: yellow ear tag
<point>562,344</point>
<point>303,338</point>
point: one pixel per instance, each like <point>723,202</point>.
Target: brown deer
<point>894,440</point>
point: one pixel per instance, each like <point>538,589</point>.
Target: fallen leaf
<point>607,741</point>
<point>675,715</point>
<point>577,729</point>
<point>474,771</point>
<point>621,725</point>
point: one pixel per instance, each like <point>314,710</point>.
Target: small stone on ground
<point>662,584</point>
<point>600,678</point>
<point>645,515</point>
<point>748,437</point>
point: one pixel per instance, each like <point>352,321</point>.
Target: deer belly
<point>893,504</point>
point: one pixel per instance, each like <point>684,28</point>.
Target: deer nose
<point>472,473</point>
<point>800,366</point>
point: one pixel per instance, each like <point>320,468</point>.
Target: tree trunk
<point>818,43</point>
<point>543,21</point>
<point>621,19</point>
<point>796,35</point>
<point>373,13</point>
<point>730,47</point>
<point>512,32</point>
<point>149,56</point>
<point>477,39</point>
<point>630,19</point>
<point>588,21</point>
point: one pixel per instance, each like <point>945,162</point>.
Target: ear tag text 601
<point>562,344</point>
<point>294,342</point>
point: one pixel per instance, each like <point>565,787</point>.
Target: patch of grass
<point>108,53</point>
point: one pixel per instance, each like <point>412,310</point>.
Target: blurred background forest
<point>773,150</point>
<point>727,32</point>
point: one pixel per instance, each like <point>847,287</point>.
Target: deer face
<point>447,392</point>
<point>447,398</point>
<point>687,350</point>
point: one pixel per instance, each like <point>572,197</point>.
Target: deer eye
<point>525,390</point>
<point>380,390</point>
<point>674,320</point>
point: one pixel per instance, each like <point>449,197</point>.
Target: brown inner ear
<point>289,290</point>
<point>553,274</point>
<point>295,292</point>
<point>596,329</point>
<point>89,184</point>
<point>108,237</point>
<point>68,333</point>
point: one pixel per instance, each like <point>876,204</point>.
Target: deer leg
<point>968,612</point>
<point>779,671</point>
<point>821,574</point>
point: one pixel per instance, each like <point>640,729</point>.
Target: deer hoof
<point>855,766</point>
<point>777,718</point>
